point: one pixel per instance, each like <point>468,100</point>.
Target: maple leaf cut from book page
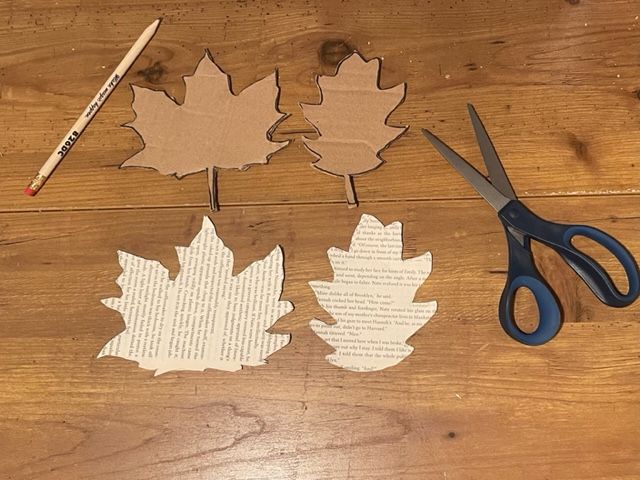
<point>351,120</point>
<point>206,317</point>
<point>211,129</point>
<point>371,299</point>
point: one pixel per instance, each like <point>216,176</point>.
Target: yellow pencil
<point>76,130</point>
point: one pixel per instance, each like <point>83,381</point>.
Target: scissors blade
<point>497,174</point>
<point>491,194</point>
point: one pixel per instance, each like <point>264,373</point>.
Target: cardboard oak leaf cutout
<point>206,317</point>
<point>351,120</point>
<point>371,299</point>
<point>213,128</point>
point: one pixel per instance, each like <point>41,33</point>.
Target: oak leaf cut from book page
<point>351,120</point>
<point>371,299</point>
<point>211,129</point>
<point>206,317</point>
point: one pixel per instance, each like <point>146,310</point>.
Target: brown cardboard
<point>351,120</point>
<point>371,299</point>
<point>212,128</point>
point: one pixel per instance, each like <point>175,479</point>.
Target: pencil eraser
<point>29,191</point>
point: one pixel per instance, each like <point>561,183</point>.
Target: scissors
<point>521,225</point>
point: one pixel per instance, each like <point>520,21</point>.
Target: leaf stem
<point>212,177</point>
<point>352,201</point>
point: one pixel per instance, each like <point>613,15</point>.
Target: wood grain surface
<point>557,84</point>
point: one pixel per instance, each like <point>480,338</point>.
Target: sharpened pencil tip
<point>154,26</point>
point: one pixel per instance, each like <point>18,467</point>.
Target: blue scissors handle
<point>593,274</point>
<point>558,237</point>
<point>523,273</point>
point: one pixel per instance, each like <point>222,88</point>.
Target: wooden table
<point>557,83</point>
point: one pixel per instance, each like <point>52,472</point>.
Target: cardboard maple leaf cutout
<point>351,120</point>
<point>206,317</point>
<point>213,128</point>
<point>371,299</point>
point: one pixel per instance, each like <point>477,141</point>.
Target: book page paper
<point>371,299</point>
<point>205,318</point>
